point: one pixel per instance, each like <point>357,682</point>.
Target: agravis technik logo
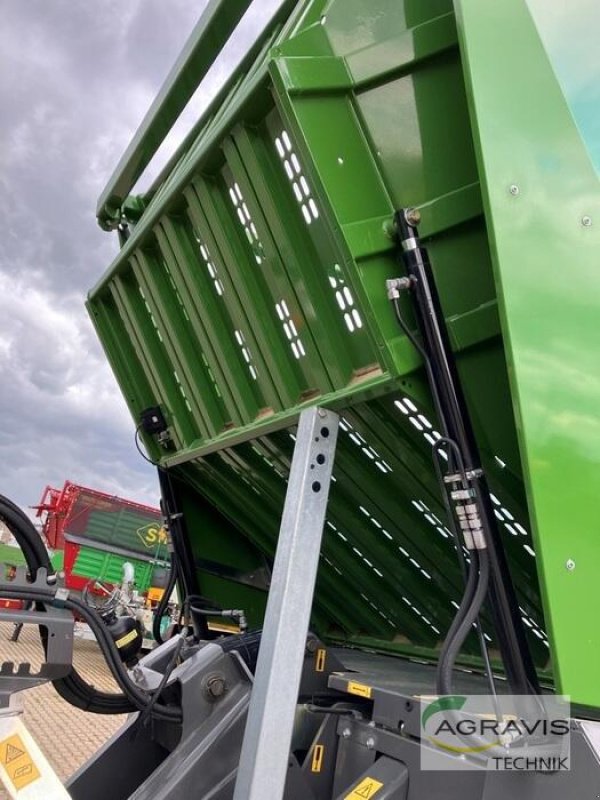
<point>505,732</point>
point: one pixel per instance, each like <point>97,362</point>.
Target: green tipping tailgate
<point>253,285</point>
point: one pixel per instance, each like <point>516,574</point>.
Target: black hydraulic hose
<point>461,557</point>
<point>164,601</point>
<point>447,388</point>
<point>463,611</point>
<point>455,640</point>
<point>73,687</point>
<point>26,535</point>
<point>453,454</point>
<point>180,542</point>
<point>147,713</point>
<point>136,696</point>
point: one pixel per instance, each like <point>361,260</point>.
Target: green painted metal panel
<point>253,285</point>
<point>102,566</point>
<point>540,184</point>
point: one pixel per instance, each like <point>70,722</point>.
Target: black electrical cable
<point>138,447</point>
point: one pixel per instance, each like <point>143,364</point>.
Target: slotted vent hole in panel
<point>295,174</point>
<point>158,334</point>
<point>359,556</point>
<point>368,451</point>
<point>213,274</point>
<point>182,390</point>
<point>271,464</point>
<point>290,330</point>
<point>509,523</point>
<point>382,531</point>
<point>151,315</point>
<point>539,632</point>
<point>174,287</point>
<point>287,323</point>
<point>367,599</point>
<point>245,220</point>
<point>210,374</point>
<point>210,265</point>
<point>345,300</point>
<point>420,422</point>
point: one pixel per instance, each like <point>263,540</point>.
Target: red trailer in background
<point>99,532</point>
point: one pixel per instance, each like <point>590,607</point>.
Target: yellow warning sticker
<point>17,762</point>
<point>365,790</point>
<point>320,659</point>
<point>359,688</point>
<point>129,637</point>
<point>317,759</point>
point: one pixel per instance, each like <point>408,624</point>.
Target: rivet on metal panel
<point>586,221</point>
<point>370,743</point>
<point>570,565</point>
<point>346,733</point>
<point>514,189</point>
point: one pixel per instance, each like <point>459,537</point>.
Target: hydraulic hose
<point>73,688</point>
<point>138,699</point>
<point>29,541</point>
<point>464,620</point>
<point>477,518</point>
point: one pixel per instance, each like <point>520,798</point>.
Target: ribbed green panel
<point>119,527</point>
<point>253,285</point>
<point>101,566</point>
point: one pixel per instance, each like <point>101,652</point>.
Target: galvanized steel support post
<point>267,739</point>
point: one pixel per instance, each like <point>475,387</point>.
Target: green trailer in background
<point>355,320</point>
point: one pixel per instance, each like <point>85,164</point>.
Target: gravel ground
<point>67,736</point>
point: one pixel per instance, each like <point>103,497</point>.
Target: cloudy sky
<point>75,81</point>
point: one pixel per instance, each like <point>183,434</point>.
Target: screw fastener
<point>514,189</point>
<point>586,221</point>
<point>570,565</point>
<point>370,743</point>
<point>216,686</point>
<point>346,733</point>
<point>412,216</point>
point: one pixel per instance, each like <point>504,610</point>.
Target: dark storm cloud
<point>75,80</point>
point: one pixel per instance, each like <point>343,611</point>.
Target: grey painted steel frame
<point>268,735</point>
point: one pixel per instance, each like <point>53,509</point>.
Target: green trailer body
<point>252,285</point>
